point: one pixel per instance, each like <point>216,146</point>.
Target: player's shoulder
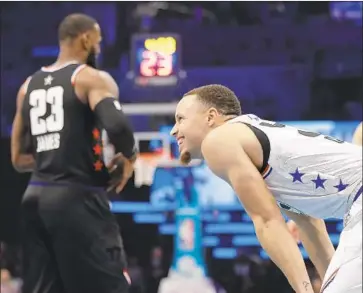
<point>232,131</point>
<point>90,79</point>
<point>359,128</point>
<point>226,134</point>
<point>90,75</point>
<point>26,82</point>
<point>24,86</point>
<point>357,136</point>
<point>23,89</point>
<point>87,73</point>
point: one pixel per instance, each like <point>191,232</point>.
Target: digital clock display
<point>156,58</point>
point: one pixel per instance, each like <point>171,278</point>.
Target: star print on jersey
<point>98,165</point>
<point>48,80</point>
<point>97,150</point>
<point>296,176</point>
<point>341,186</point>
<point>96,134</point>
<point>319,182</point>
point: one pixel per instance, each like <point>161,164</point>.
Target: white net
<point>147,161</point>
<point>150,158</point>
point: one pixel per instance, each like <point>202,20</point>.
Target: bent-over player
<point>308,175</point>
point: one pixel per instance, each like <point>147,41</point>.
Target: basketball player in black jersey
<point>71,240</point>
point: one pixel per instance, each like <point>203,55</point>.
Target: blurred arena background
<point>297,62</point>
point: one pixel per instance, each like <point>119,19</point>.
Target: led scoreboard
<point>156,59</point>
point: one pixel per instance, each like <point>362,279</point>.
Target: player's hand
<point>121,170</point>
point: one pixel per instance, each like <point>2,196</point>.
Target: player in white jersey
<point>358,140</point>
<point>308,175</point>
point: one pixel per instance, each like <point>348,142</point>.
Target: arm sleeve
<point>109,113</point>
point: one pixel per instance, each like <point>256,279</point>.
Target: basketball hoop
<point>145,167</point>
<point>147,163</point>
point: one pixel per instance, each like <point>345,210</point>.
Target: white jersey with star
<point>309,173</point>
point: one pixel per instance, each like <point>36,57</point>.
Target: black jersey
<point>65,139</point>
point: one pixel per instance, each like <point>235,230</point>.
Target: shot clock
<point>156,59</point>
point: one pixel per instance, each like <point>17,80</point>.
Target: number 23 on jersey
<point>38,100</point>
<point>45,128</point>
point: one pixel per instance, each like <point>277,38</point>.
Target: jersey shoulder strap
<point>76,72</point>
<point>247,118</point>
<point>47,76</point>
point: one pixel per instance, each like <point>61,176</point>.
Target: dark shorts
<point>72,242</point>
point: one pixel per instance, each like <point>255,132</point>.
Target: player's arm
<point>315,239</point>
<point>102,94</point>
<point>226,158</point>
<point>357,137</point>
<point>21,161</point>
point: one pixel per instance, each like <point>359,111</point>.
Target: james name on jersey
<point>48,142</point>
<point>47,129</point>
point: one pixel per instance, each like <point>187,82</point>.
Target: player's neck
<point>63,59</point>
<point>222,120</point>
<point>67,55</point>
<point>228,117</point>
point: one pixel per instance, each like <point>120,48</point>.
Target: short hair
<point>219,97</point>
<point>74,25</point>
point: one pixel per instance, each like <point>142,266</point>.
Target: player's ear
<point>212,115</point>
<point>86,41</point>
